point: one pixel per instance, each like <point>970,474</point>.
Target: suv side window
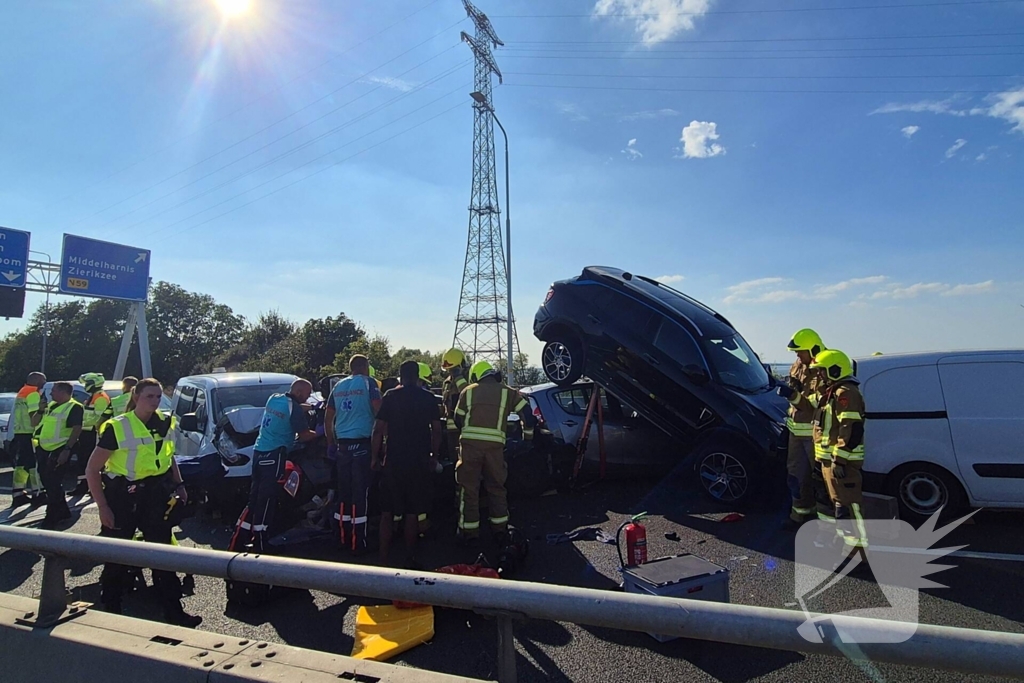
<point>626,312</point>
<point>676,343</point>
<point>186,400</point>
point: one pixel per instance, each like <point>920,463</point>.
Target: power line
<point>261,96</point>
<point>289,151</point>
<point>774,10</point>
<point>755,77</point>
<point>321,170</point>
<point>763,40</point>
<point>768,51</point>
<point>272,142</point>
<point>765,58</point>
<point>747,90</point>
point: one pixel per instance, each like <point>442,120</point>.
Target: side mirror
<point>696,374</point>
<point>188,423</point>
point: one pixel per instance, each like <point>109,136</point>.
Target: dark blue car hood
<point>769,403</point>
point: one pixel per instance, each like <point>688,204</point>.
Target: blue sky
<point>314,156</point>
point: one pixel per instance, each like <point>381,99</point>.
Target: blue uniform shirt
<point>283,419</point>
<point>353,408</point>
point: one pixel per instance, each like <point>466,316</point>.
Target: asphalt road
<point>980,594</point>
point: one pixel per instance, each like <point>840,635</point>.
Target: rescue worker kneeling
<point>482,418</point>
<point>842,436</point>
<point>136,485</point>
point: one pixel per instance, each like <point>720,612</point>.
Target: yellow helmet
<point>92,381</point>
<point>806,340</point>
<point>426,374</point>
<point>479,369</point>
<point>373,372</point>
<point>836,364</point>
<point>451,358</point>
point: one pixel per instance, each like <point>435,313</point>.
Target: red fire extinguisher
<point>636,541</point>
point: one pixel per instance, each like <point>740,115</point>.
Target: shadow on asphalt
<point>16,568</point>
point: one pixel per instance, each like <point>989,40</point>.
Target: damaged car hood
<point>244,420</point>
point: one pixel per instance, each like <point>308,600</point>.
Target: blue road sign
<point>13,257</point>
<point>103,269</point>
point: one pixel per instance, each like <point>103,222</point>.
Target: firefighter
<point>98,410</point>
<point>284,422</point>
<point>136,484</point>
<point>119,403</point>
<point>348,425</point>
<point>28,411</point>
<point>482,418</point>
<point>454,364</point>
<point>802,389</point>
<point>841,428</point>
<point>57,435</point>
<point>426,376</point>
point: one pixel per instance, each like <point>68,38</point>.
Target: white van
<point>945,429</point>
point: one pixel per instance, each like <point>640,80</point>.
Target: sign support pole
<point>126,342</point>
<point>140,322</point>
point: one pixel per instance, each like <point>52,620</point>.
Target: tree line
<point>191,333</point>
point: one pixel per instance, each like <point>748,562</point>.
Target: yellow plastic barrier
<point>385,631</point>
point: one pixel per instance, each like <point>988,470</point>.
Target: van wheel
<point>562,360</point>
<point>922,490</point>
<point>729,472</point>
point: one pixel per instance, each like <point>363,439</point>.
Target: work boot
<point>37,501</point>
<point>19,500</point>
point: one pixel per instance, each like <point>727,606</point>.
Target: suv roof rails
<point>689,298</point>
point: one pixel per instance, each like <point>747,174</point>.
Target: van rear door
<point>986,419</point>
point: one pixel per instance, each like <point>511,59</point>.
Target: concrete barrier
<point>95,647</point>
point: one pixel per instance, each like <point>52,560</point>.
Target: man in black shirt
<point>408,419</point>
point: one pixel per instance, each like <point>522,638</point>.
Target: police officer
<point>97,411</point>
<point>119,404</point>
<point>284,423</point>
<point>57,435</point>
<point>136,485</point>
<point>805,482</point>
<point>482,417</point>
<point>28,411</point>
<point>348,423</point>
<point>454,365</point>
<point>841,434</point>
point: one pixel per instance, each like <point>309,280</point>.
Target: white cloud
<point>697,140</point>
<point>764,290</point>
<point>655,20</point>
<point>670,279</point>
<point>1007,105</point>
<point>951,152</point>
<point>977,288</point>
<point>648,115</point>
<point>908,131</point>
<point>981,157</point>
<point>392,83</point>
<point>631,152</point>
<point>571,111</point>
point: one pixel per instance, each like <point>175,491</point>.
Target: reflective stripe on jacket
<point>53,431</point>
<point>25,404</point>
<point>140,454</point>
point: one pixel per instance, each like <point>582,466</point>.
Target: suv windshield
<point>253,395</point>
<point>735,364</point>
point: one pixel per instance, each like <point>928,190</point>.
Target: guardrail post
<point>53,596</point>
<point>506,650</point>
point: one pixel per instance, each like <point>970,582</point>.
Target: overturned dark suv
<point>678,363</point>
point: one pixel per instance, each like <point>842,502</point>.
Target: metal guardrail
<point>935,647</point>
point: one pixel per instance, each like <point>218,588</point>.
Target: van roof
<point>872,365</point>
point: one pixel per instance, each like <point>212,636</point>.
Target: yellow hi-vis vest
<point>137,456</point>
<point>53,430</point>
<point>120,403</point>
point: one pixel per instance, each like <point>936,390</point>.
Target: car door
<point>185,443</point>
<point>572,404</point>
<point>986,419</point>
<point>674,350</point>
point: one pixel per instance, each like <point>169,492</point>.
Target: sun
<point>234,8</point>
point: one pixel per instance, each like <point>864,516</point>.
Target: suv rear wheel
<point>562,360</point>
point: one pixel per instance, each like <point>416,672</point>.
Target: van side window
<point>576,401</point>
<point>971,390</point>
<point>676,343</point>
<point>186,400</point>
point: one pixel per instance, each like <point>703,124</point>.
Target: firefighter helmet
<point>836,364</point>
<point>452,358</point>
<point>806,340</point>
<point>480,370</point>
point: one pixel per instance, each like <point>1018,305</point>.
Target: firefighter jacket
<point>26,404</point>
<point>839,423</point>
<point>808,386</point>
<point>483,409</point>
<point>98,410</point>
<point>451,389</point>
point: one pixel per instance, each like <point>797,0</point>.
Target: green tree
<point>187,330</point>
<point>377,349</point>
<point>324,338</point>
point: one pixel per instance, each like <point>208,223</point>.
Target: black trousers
<point>264,497</point>
<point>52,475</point>
<point>354,478</point>
<point>139,506</point>
<point>83,449</point>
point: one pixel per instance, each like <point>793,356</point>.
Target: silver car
<point>631,441</point>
